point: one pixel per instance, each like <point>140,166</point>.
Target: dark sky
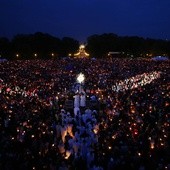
<point>81,18</point>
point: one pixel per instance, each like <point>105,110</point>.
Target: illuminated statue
<point>81,53</point>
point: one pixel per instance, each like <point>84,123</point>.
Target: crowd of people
<point>128,128</point>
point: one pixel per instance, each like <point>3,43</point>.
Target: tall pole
<point>82,97</point>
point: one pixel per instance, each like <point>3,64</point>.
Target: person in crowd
<point>125,124</point>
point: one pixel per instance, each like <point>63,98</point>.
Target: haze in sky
<point>81,18</point>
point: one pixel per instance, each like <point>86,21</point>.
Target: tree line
<point>37,46</point>
<point>101,45</point>
<point>45,46</point>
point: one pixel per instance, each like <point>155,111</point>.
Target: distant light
<point>80,78</point>
<point>35,55</point>
<point>52,54</point>
<point>82,46</point>
<point>17,55</point>
<point>139,153</point>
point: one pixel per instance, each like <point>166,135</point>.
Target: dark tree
<point>100,45</point>
<point>69,45</point>
<point>4,48</point>
<point>45,46</point>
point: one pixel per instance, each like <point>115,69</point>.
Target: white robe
<point>76,110</point>
<point>83,100</point>
<point>77,101</point>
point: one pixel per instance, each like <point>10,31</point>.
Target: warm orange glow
<point>81,53</point>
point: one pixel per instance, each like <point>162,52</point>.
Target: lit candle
<point>152,144</point>
<point>114,137</point>
<point>139,153</point>
<point>110,147</point>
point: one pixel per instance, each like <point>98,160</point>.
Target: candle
<point>139,153</point>
<point>152,144</point>
<point>95,131</point>
<point>110,147</point>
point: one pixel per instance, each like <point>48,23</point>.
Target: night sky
<point>81,18</point>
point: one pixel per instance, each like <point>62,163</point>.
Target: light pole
<point>79,100</point>
<point>82,94</point>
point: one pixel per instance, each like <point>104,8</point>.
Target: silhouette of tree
<point>69,45</point>
<point>45,46</point>
<point>4,48</point>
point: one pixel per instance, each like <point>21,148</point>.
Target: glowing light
<point>110,147</point>
<point>68,153</point>
<point>95,131</point>
<point>82,46</point>
<point>114,137</point>
<point>137,81</point>
<point>80,78</point>
<point>81,53</point>
<point>135,132</point>
<point>152,144</point>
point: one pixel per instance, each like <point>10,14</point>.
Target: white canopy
<point>160,58</point>
<point>3,59</point>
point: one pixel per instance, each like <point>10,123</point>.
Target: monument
<point>81,52</point>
